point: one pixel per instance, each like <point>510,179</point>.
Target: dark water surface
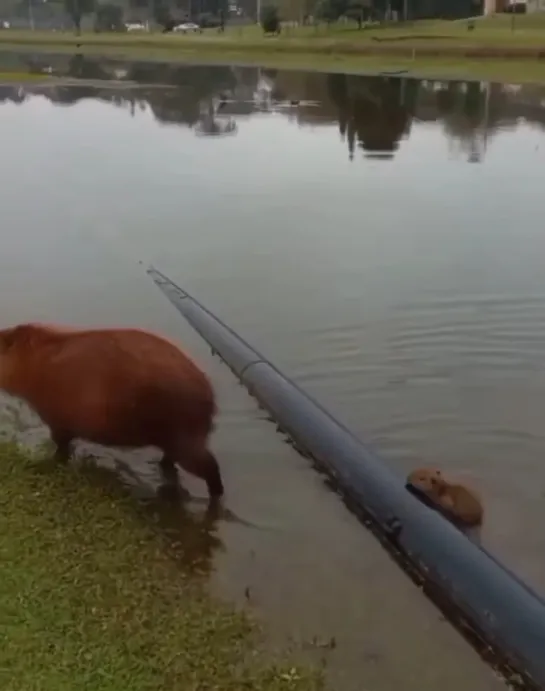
<point>337,224</point>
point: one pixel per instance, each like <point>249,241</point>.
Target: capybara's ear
<point>8,337</point>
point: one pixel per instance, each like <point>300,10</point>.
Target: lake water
<point>380,239</point>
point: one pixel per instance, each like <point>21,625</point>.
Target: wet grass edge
<point>91,596</point>
<point>280,56</point>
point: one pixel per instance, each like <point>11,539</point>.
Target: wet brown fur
<point>462,502</point>
<point>114,387</point>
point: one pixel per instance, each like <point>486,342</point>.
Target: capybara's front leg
<point>212,475</point>
<point>168,469</point>
<point>199,461</point>
<point>63,444</point>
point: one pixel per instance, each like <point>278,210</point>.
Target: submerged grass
<point>91,598</point>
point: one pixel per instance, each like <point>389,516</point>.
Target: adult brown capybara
<point>459,501</point>
<point>114,387</point>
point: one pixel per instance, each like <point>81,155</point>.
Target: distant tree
<point>358,10</point>
<point>215,7</point>
<point>270,20</point>
<point>295,10</point>
<point>162,15</point>
<point>331,10</point>
<point>208,20</point>
<point>327,10</point>
<point>109,17</point>
<point>76,9</point>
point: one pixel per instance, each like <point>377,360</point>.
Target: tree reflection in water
<point>373,114</point>
<point>212,125</point>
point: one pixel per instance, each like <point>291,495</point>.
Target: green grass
<point>92,597</point>
<point>443,67</point>
<point>525,37</point>
<point>498,48</point>
<point>18,76</point>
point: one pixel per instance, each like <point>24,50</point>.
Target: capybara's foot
<point>172,492</point>
<point>199,462</point>
<point>63,447</point>
<point>213,478</point>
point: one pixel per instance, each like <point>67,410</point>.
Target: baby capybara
<point>462,503</point>
<point>114,387</point>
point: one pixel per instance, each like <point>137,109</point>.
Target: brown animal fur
<point>462,502</point>
<point>114,387</point>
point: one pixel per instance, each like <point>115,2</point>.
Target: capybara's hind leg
<point>63,444</point>
<point>199,461</point>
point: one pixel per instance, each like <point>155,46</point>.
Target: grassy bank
<point>20,77</point>
<point>496,48</point>
<point>91,597</point>
<point>494,37</point>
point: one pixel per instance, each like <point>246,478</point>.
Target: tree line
<point>360,11</point>
<point>110,16</point>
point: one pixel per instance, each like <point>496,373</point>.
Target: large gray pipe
<point>492,605</point>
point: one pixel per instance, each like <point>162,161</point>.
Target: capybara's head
<point>16,342</point>
<point>430,481</point>
<point>8,338</point>
<point>18,335</point>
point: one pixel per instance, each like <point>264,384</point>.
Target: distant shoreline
<point>488,59</point>
<point>45,81</point>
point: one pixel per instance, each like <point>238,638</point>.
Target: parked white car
<point>187,27</point>
<point>136,26</point>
